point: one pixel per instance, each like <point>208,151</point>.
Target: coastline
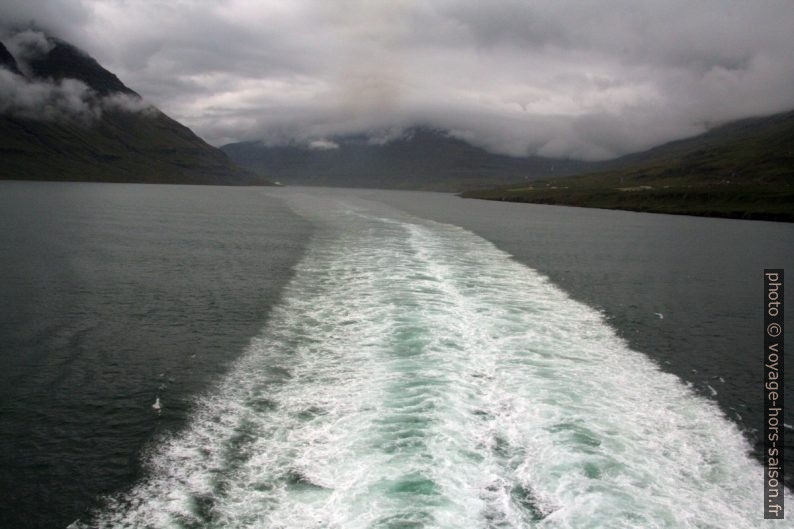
<point>639,201</point>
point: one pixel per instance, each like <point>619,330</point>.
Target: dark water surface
<point>113,295</point>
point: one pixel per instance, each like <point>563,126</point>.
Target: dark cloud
<point>553,77</point>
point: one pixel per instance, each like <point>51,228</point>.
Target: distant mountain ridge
<point>420,158</point>
<point>115,137</point>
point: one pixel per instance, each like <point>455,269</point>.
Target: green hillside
<point>743,169</point>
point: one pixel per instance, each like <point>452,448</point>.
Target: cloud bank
<point>28,97</point>
<point>64,100</point>
<point>550,77</point>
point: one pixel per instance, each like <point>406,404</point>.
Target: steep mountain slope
<point>67,118</point>
<point>421,158</point>
<point>7,60</point>
<point>65,61</point>
<point>742,169</point>
<point>758,149</point>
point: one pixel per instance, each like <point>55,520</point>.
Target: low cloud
<point>323,145</point>
<point>126,103</point>
<point>551,77</point>
<point>64,100</point>
<point>28,97</point>
<point>26,46</point>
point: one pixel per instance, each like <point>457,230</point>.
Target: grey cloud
<point>64,100</point>
<point>68,19</point>
<point>28,97</point>
<point>552,77</point>
<point>67,99</point>
<point>27,45</point>
<point>323,145</point>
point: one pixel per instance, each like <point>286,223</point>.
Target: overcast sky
<point>589,79</point>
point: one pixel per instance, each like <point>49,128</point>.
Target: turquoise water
<point>414,375</point>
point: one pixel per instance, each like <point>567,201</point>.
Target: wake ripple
<point>416,376</point>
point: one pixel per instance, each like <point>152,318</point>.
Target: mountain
<point>759,148</point>
<point>65,61</point>
<point>7,61</point>
<point>421,158</point>
<point>741,169</point>
<point>65,117</point>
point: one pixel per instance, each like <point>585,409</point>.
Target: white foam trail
<point>416,376</point>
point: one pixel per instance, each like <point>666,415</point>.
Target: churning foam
<point>416,376</point>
